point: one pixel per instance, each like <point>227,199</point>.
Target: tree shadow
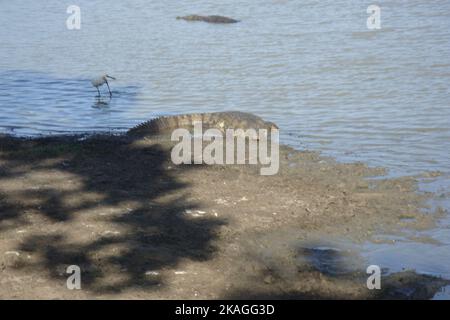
<point>106,204</point>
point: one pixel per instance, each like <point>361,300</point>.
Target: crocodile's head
<point>272,125</point>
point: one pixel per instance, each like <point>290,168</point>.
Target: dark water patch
<point>328,260</point>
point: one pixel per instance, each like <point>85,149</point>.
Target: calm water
<point>313,67</point>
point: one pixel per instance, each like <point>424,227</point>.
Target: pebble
<point>180,272</point>
<point>13,252</point>
<point>110,232</point>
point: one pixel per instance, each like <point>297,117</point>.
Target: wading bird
<point>98,82</point>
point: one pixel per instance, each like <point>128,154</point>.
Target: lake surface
<point>313,67</point>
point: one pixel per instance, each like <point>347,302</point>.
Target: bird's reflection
<point>101,102</point>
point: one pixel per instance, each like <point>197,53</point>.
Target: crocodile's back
<point>210,19</point>
<point>217,120</point>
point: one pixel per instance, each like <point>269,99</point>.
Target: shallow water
<point>313,67</point>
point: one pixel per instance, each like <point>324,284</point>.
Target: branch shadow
<point>103,203</point>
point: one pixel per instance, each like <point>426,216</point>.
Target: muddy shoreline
<point>141,227</point>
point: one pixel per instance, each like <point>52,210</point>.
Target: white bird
<point>98,82</point>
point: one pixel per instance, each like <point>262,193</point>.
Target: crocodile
<point>214,120</point>
<point>210,19</point>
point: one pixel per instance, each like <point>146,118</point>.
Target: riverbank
<point>141,227</point>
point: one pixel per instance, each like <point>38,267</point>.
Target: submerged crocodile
<point>210,19</point>
<point>216,120</point>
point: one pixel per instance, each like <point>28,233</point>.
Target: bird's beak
<point>110,77</point>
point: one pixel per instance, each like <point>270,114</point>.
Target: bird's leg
<point>98,92</point>
<point>110,94</point>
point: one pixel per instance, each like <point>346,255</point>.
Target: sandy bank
<point>141,227</point>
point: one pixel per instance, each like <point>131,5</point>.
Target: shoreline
<point>141,227</point>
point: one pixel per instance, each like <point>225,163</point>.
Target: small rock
<point>268,279</point>
<point>180,272</point>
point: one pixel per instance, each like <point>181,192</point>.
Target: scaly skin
<point>217,120</point>
<point>210,19</point>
